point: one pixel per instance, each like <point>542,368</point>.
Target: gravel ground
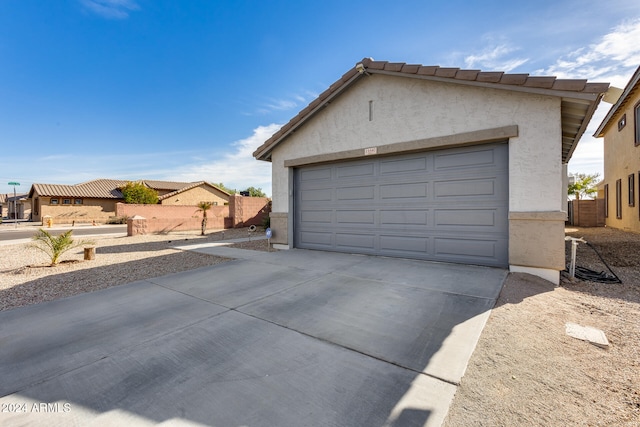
<point>526,371</point>
<point>26,278</point>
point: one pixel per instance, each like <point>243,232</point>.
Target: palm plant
<point>204,207</point>
<point>55,246</point>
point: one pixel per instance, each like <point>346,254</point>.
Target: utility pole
<point>15,204</point>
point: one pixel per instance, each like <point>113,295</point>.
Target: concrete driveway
<point>290,338</point>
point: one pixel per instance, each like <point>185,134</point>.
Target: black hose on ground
<point>583,273</point>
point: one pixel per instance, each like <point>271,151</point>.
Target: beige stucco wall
<point>98,210</point>
<point>193,196</point>
<point>621,159</point>
<point>406,109</point>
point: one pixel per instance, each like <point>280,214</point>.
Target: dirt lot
<point>526,371</point>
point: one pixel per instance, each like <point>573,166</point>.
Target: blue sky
<point>186,90</point>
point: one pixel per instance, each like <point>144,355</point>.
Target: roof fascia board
<point>265,153</point>
<point>515,88</point>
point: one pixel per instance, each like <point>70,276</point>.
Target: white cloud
<point>238,168</point>
<point>497,57</point>
<point>112,9</point>
<point>612,58</point>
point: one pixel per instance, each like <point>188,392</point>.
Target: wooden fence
<point>586,213</point>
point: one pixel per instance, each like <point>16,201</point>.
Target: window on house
<point>54,201</point>
<point>632,195</point>
<point>637,122</point>
<point>66,201</point>
<point>622,122</point>
<point>606,200</point>
<point>619,199</point>
<point>77,201</point>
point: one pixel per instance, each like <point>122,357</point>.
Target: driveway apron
<point>284,338</point>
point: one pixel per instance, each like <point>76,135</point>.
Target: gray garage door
<point>447,205</point>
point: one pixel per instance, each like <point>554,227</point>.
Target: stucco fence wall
<point>246,211</point>
<point>241,212</point>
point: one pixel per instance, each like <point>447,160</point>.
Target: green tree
<point>255,192</point>
<point>54,246</point>
<point>138,193</point>
<point>224,188</point>
<point>204,207</point>
<point>584,185</point>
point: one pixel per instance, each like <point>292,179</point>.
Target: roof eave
<point>633,82</point>
<point>264,152</point>
<point>585,123</point>
<point>588,96</point>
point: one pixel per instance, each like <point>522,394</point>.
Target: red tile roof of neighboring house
<point>102,188</point>
<point>580,98</point>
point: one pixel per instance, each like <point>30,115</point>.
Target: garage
<point>446,205</point>
<point>431,163</point>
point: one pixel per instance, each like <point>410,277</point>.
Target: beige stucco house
<point>621,132</point>
<point>432,163</point>
<point>17,206</point>
<point>96,200</point>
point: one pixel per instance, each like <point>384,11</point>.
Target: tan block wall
<point>621,159</point>
<point>98,210</point>
<point>202,193</point>
<point>175,216</point>
<point>164,225</point>
<point>247,211</point>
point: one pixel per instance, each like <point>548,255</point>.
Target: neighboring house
<point>9,205</point>
<point>621,132</point>
<point>432,163</point>
<point>96,200</point>
<point>193,193</point>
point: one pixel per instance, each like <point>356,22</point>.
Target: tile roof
<point>189,187</point>
<point>629,90</point>
<point>100,188</point>
<point>579,97</point>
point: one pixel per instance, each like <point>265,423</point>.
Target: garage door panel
<point>466,217</point>
<point>447,205</point>
<point>315,174</point>
<point>404,245</point>
<point>484,251</point>
<point>355,217</point>
<point>319,195</point>
<point>356,193</point>
<point>316,239</point>
<point>404,191</point>
<point>469,158</point>
<point>403,166</point>
<point>403,217</point>
<point>355,241</point>
<point>366,169</point>
<point>466,188</point>
<point>322,217</point>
